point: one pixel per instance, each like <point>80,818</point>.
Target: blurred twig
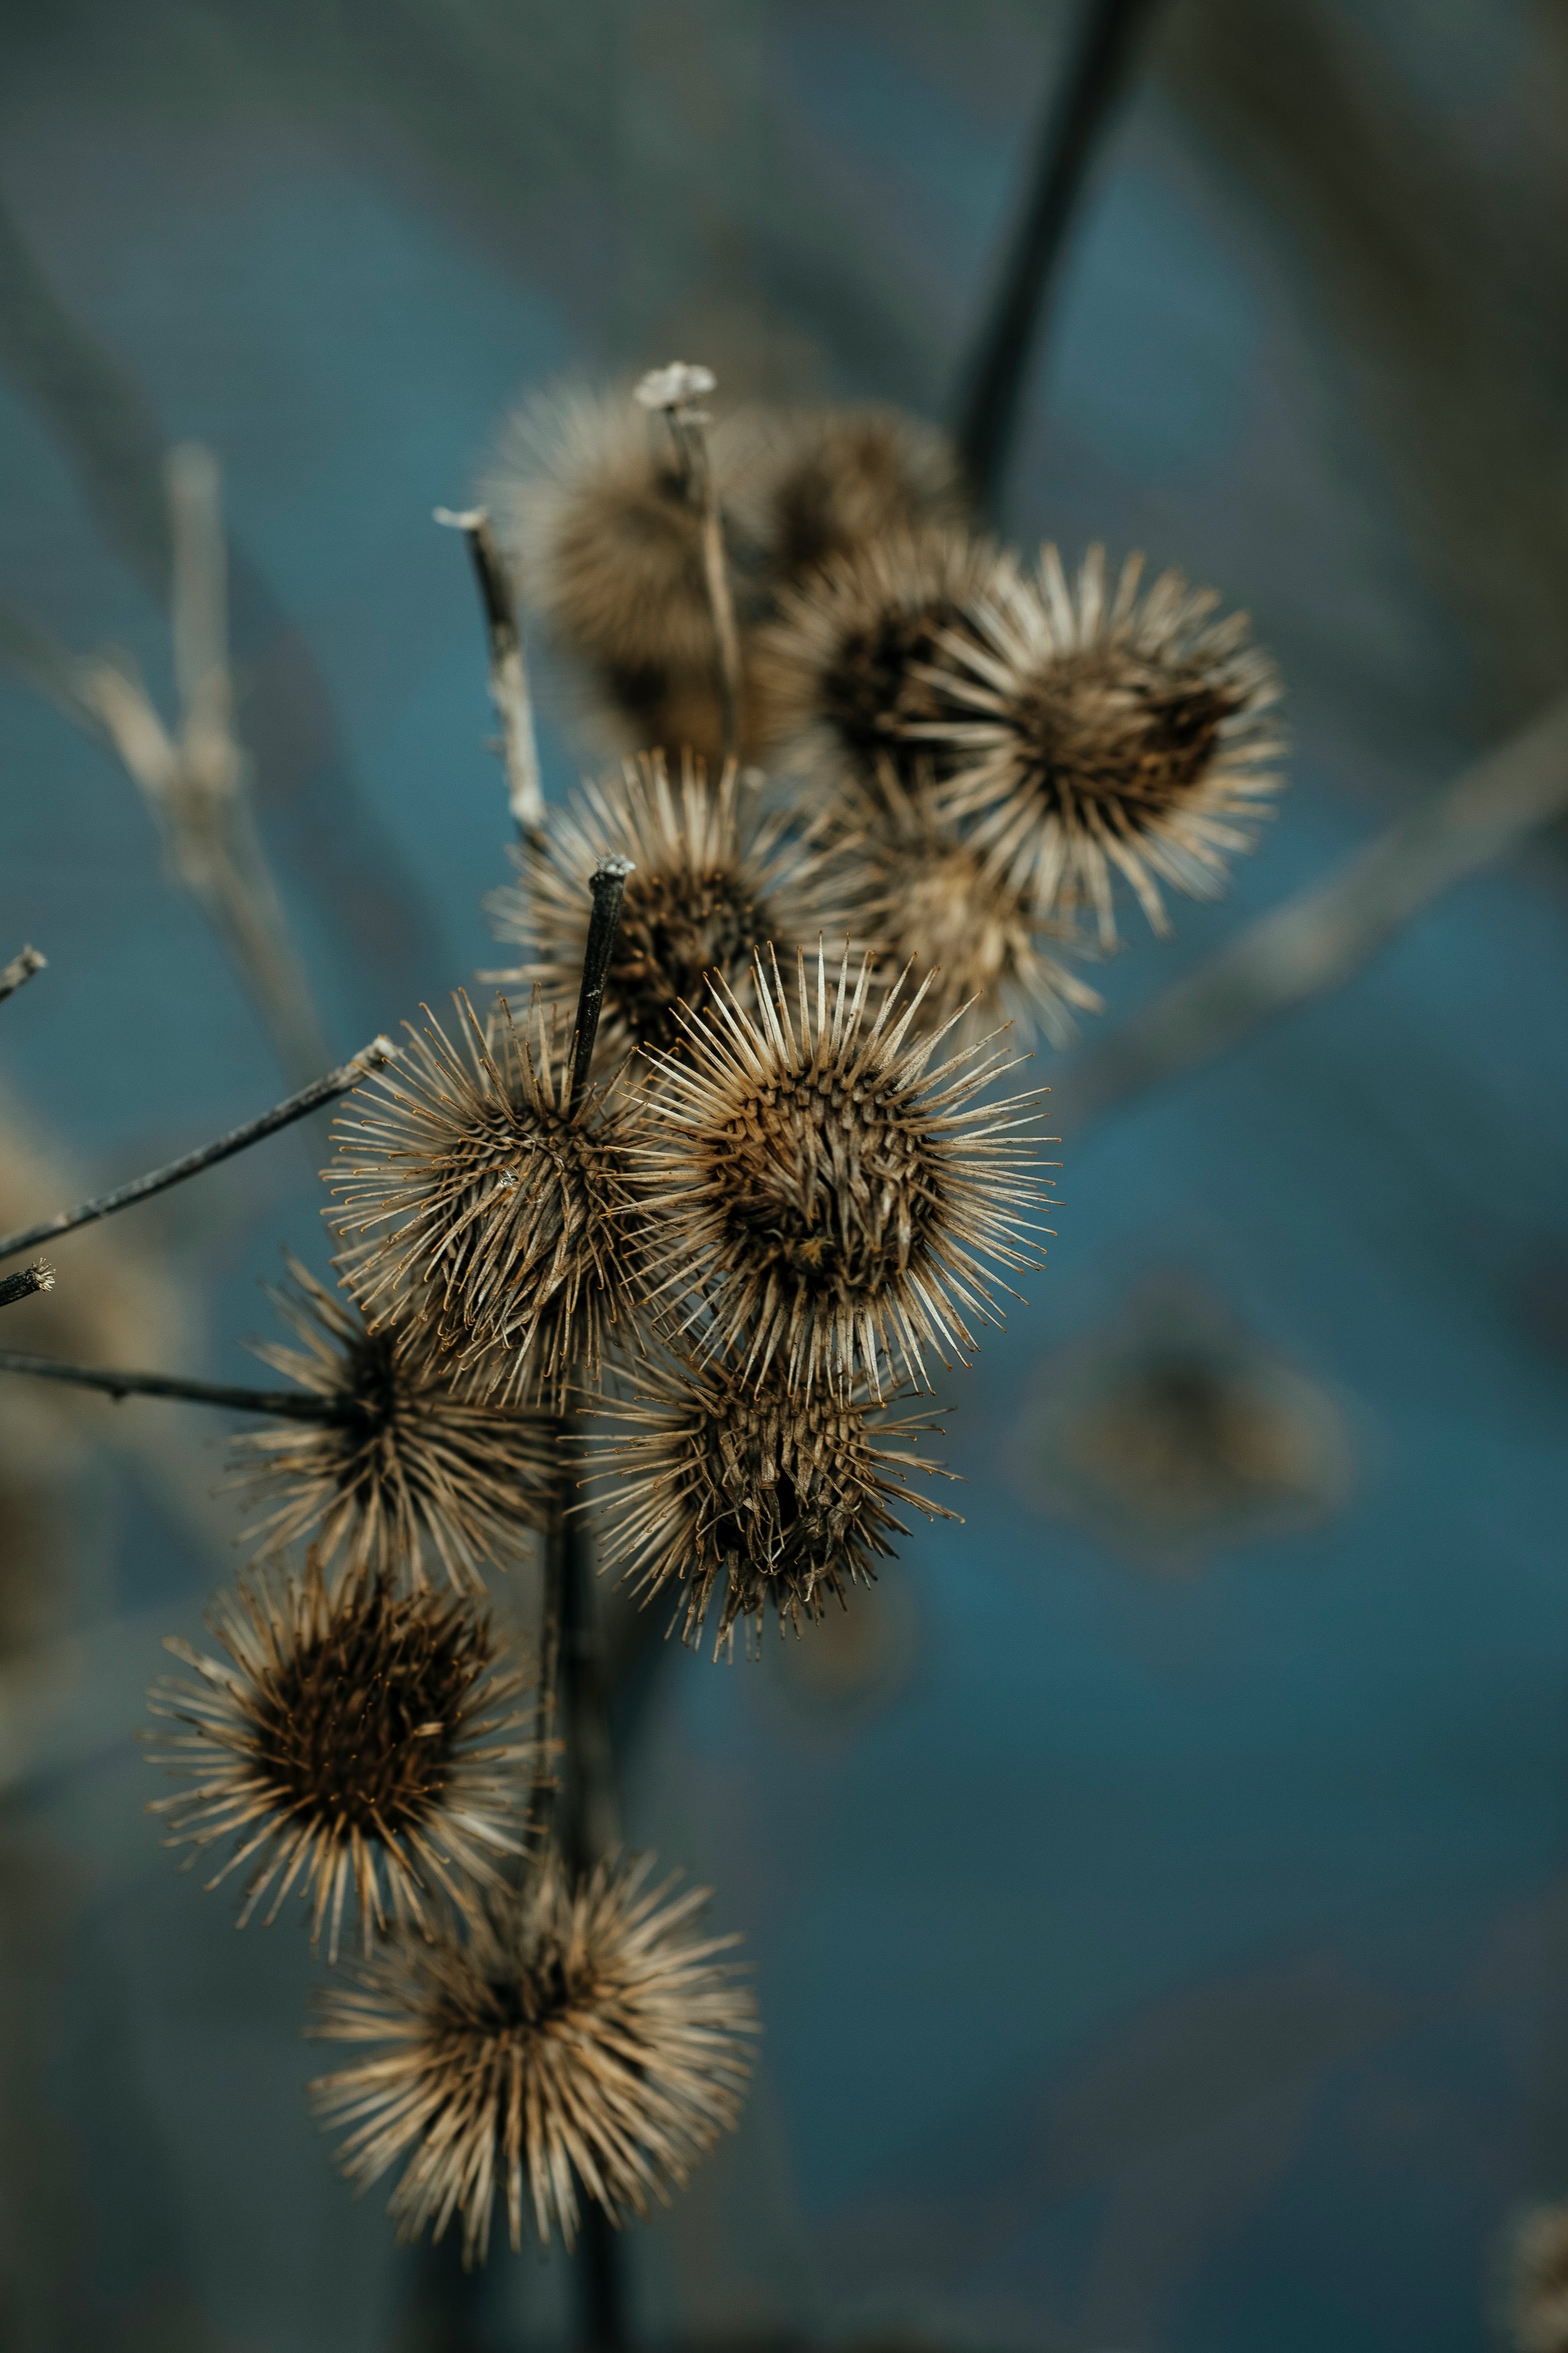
<point>1315,940</point>
<point>1009,337</point>
<point>20,969</point>
<point>509,671</point>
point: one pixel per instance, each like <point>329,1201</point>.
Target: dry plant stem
<point>341,1081</point>
<point>285,1405</point>
<point>509,672</point>
<point>1009,336</point>
<point>691,441</point>
<point>40,1276</point>
<point>20,968</point>
<point>1317,940</point>
<point>609,888</point>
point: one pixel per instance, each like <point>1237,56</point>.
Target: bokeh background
<point>1158,1889</point>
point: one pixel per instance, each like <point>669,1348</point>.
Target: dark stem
<point>609,888</point>
<point>373,1057</point>
<point>509,671</point>
<point>602,2277</point>
<point>591,1827</point>
<point>1073,122</point>
<point>547,1782</point>
<point>20,968</point>
<point>39,1276</point>
<point>283,1404</point>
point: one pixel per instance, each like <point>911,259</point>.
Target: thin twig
<point>373,1057</point>
<point>675,391</point>
<point>1317,940</point>
<point>994,386</point>
<point>508,670</point>
<point>282,1405</point>
<point>20,969</point>
<point>609,888</point>
<point>39,1276</point>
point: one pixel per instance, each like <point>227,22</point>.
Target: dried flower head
<point>713,882</point>
<point>824,1195</point>
<point>752,1494</point>
<point>916,886</point>
<point>1538,2282</point>
<point>1099,731</point>
<point>594,503</point>
<point>577,2038</point>
<point>352,1744</point>
<point>470,1168</point>
<point>816,485</point>
<point>414,1472</point>
<point>844,672</point>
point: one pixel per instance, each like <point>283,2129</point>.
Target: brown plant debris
<point>577,2039</point>
<point>714,881</point>
<point>415,1474</point>
<point>914,885</point>
<point>748,1494</point>
<point>595,505</point>
<point>1538,2282</point>
<point>845,670</point>
<point>1092,731</point>
<point>474,1171</point>
<point>821,1197</point>
<point>352,1742</point>
<point>819,484</point>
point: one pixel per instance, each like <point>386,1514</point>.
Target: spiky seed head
<point>816,485</point>
<point>592,499</point>
<point>714,881</point>
<point>577,2042</point>
<point>1538,2282</point>
<point>470,1168</point>
<point>913,883</point>
<point>1094,731</point>
<point>353,1743</point>
<point>415,1475</point>
<point>844,672</point>
<point>746,1495</point>
<point>827,1201</point>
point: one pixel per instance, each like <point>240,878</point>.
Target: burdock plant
<point>662,1245</point>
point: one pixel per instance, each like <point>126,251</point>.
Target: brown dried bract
<point>752,1496</point>
<point>353,1744</point>
<point>576,2042</point>
<point>416,1472</point>
<point>472,1169</point>
<point>1090,734</point>
<point>820,1198</point>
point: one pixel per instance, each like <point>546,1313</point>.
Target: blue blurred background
<point>1159,1925</point>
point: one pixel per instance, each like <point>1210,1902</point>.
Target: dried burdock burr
<point>749,1496</point>
<point>844,671</point>
<point>715,879</point>
<point>1097,732</point>
<point>356,1742</point>
<point>1537,2282</point>
<point>812,485</point>
<point>411,1476</point>
<point>483,1173</point>
<point>827,1198</point>
<point>577,2042</point>
<point>911,882</point>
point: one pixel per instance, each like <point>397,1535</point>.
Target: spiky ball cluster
<point>845,672</point>
<point>813,486</point>
<point>747,1495</point>
<point>413,1474</point>
<point>824,1196</point>
<point>472,1169</point>
<point>353,1744</point>
<point>1091,731</point>
<point>576,2039</point>
<point>712,883</point>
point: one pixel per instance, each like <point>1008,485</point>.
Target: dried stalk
<point>509,672</point>
<point>373,1057</point>
<point>39,1277</point>
<point>20,970</point>
<point>1009,336</point>
<point>285,1405</point>
<point>675,391</point>
<point>1315,940</point>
